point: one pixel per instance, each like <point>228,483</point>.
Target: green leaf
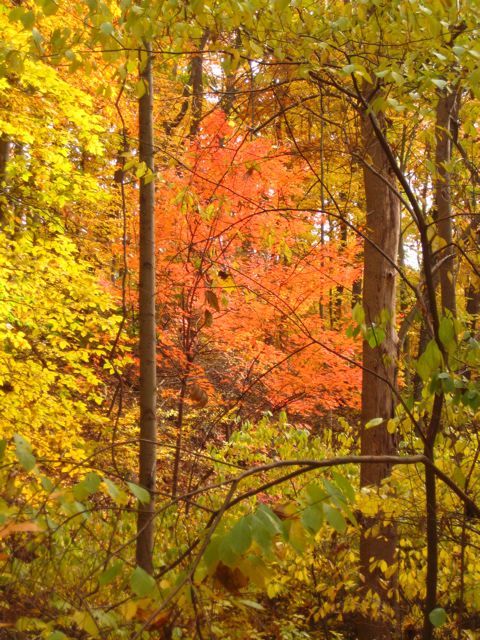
<point>345,486</point>
<point>315,494</point>
<point>358,314</point>
<point>438,616</point>
<point>397,77</point>
<point>46,483</point>
<point>141,583</point>
<point>28,19</point>
<point>3,446</point>
<point>87,486</point>
<point>226,553</point>
<point>331,489</point>
<point>312,518</point>
<point>57,635</point>
<point>211,555</point>
<point>139,492</point>
<point>429,361</point>
<point>261,534</point>
<point>110,574</point>
<point>446,332</point>
<point>266,515</point>
<point>16,14</point>
<point>113,490</point>
<point>240,536</point>
<point>334,518</point>
<point>24,453</point>
<point>375,336</point>
<point>106,28</point>
<point>264,526</point>
<point>49,7</point>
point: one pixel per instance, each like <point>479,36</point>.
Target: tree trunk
<point>196,80</point>
<point>443,205</point>
<point>148,367</point>
<point>446,255</point>
<point>378,400</point>
<point>4,157</point>
<point>472,296</point>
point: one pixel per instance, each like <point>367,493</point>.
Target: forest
<point>239,319</point>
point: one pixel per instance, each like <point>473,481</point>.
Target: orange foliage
<point>243,276</point>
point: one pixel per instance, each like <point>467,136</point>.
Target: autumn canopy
<point>239,320</point>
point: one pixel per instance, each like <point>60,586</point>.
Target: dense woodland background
<point>239,319</point>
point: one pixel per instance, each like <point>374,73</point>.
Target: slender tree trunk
<point>431,513</point>
<point>148,367</point>
<point>341,289</point>
<point>472,295</point>
<point>179,428</point>
<point>4,157</point>
<point>472,292</point>
<point>443,204</point>
<point>378,400</point>
<point>196,79</point>
<point>443,156</point>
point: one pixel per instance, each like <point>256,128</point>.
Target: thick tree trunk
<point>443,205</point>
<point>378,400</point>
<point>148,382</point>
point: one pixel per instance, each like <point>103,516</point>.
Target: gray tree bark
<point>147,349</point>
<point>4,157</point>
<point>443,201</point>
<point>378,400</point>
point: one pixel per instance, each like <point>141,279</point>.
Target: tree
<point>379,355</point>
<point>147,323</point>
